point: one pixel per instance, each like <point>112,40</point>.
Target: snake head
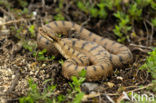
<point>48,34</point>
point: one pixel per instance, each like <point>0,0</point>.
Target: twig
<point>9,14</point>
<point>147,42</point>
<point>110,99</point>
<point>85,22</point>
<point>141,48</point>
<point>5,12</point>
<point>133,86</point>
<point>43,4</point>
<point>12,21</point>
<point>152,32</point>
<point>86,97</point>
<point>144,87</point>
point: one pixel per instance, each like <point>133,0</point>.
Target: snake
<point>91,52</point>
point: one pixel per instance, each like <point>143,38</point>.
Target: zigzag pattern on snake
<point>95,54</point>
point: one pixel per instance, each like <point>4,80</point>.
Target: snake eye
<point>41,30</point>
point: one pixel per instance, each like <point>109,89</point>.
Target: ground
<point>18,64</point>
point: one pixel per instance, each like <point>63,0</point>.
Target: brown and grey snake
<point>95,54</point>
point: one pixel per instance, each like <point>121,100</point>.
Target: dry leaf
<point>110,84</point>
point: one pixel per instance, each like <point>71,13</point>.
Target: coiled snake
<point>95,54</point>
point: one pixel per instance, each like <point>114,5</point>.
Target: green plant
<point>75,85</point>
<point>102,12</point>
<point>77,81</point>
<point>126,12</point>
<point>94,12</point>
<point>5,3</point>
<point>122,28</point>
<point>48,96</point>
<point>41,55</point>
<point>91,8</point>
<point>134,12</point>
<point>17,32</point>
<point>154,22</point>
<point>150,66</point>
<point>35,95</point>
<point>61,98</point>
<point>78,98</point>
<point>23,3</point>
<point>59,15</point>
<point>153,4</point>
<point>21,13</point>
<point>61,61</point>
<point>109,4</point>
<point>98,8</point>
<point>31,29</point>
<point>83,6</point>
<point>29,45</point>
<point>144,3</point>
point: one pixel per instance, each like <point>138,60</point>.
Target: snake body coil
<point>95,54</point>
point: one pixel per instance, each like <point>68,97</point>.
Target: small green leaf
<point>59,16</point>
<point>78,98</point>
<point>154,22</point>
<point>61,98</point>
<point>81,6</point>
<point>61,61</point>
<point>41,58</point>
<point>82,73</point>
<point>94,12</point>
<point>52,57</point>
<point>32,30</point>
<point>47,81</point>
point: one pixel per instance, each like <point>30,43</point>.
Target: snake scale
<point>95,54</point>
